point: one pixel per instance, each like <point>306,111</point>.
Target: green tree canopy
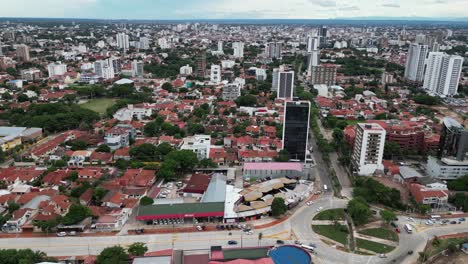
<point>103,148</point>
<point>145,200</point>
<point>359,211</point>
<point>137,249</point>
<point>387,215</point>
<point>278,207</point>
<point>76,214</point>
<point>112,255</point>
<point>283,156</point>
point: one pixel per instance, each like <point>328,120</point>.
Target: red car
<point>397,230</point>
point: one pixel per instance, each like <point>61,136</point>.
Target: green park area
<point>98,105</point>
<point>338,233</point>
<point>382,233</point>
<point>331,214</point>
<point>373,246</point>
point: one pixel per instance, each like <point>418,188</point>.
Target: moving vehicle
<point>408,229</point>
<point>325,187</point>
<point>429,222</point>
<point>309,203</point>
<point>280,242</point>
<point>319,209</point>
<point>232,242</point>
<point>410,252</point>
<point>461,219</point>
<point>382,256</point>
<point>307,247</point>
<point>393,224</point>
<point>61,234</point>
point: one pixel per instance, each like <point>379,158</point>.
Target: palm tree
<point>260,236</point>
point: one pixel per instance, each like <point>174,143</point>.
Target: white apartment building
<point>415,62</point>
<point>130,112</point>
<point>137,68</point>
<point>104,69</point>
<point>238,48</point>
<point>220,46</point>
<point>164,44</point>
<point>227,64</point>
<point>215,76</point>
<point>443,73</point>
<point>122,41</point>
<point>368,148</point>
<point>186,70</point>
<point>231,91</point>
<point>199,144</point>
<point>56,69</point>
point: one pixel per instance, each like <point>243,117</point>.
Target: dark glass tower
<point>296,129</point>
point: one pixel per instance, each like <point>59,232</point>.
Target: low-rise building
<point>119,136</point>
<point>200,144</point>
<point>260,170</point>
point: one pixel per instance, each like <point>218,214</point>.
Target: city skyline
<point>240,9</point>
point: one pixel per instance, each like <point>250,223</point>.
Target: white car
<point>429,222</point>
<point>410,219</point>
<point>249,233</point>
<point>309,203</point>
<point>319,209</point>
<point>61,234</point>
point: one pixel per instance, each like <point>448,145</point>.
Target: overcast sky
<point>205,9</point>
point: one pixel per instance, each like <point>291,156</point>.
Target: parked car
<point>72,233</point>
<point>411,219</point>
<point>280,242</point>
<point>429,222</point>
<point>410,252</point>
<point>397,230</point>
<point>461,219</point>
<point>393,224</point>
<point>232,242</point>
<point>453,222</point>
<point>309,203</point>
<point>382,256</point>
<point>319,209</point>
<point>61,234</point>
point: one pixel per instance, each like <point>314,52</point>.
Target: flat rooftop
<point>296,166</point>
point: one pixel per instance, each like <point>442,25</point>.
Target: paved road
<point>299,224</point>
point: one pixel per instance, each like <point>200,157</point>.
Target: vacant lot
<point>99,105</point>
<point>380,233</point>
<point>336,233</point>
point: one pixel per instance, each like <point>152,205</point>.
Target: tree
<point>47,226</point>
<point>167,169</point>
<point>98,194</point>
<point>388,216</point>
<point>424,209</point>
<point>207,163</point>
<point>7,96</point>
<point>12,71</point>
<point>103,148</point>
<point>460,184</point>
<point>2,155</point>
<point>186,159</point>
<point>145,200</point>
<point>391,149</point>
<point>167,86</point>
<point>283,156</point>
<point>112,255</point>
<point>278,207</point>
<point>76,214</point>
<point>22,98</point>
<point>359,211</point>
<point>23,256</point>
<point>78,145</point>
<point>164,148</point>
<point>12,206</point>
<point>137,249</point>
<point>246,100</point>
<point>144,152</point>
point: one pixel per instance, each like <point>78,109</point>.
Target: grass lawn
<point>444,244</point>
<point>380,233</point>
<point>353,122</point>
<point>373,246</point>
<point>338,213</point>
<point>99,105</point>
<point>332,232</point>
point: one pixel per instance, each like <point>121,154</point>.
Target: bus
<point>435,217</point>
<point>408,228</point>
<point>311,249</point>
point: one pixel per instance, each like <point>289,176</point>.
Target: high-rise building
<point>312,43</point>
<point>323,31</point>
<point>238,48</point>
<point>215,74</point>
<point>1,51</point>
<point>296,129</point>
<point>368,148</point>
<point>186,70</point>
<point>116,64</point>
<point>104,69</point>
<point>231,91</point>
<point>415,61</point>
<point>220,46</point>
<point>313,53</point>
<point>274,49</point>
<point>22,51</point>
<point>144,43</point>
<point>122,41</point>
<point>31,74</point>
<point>323,74</point>
<point>443,73</point>
<point>285,84</point>
<point>138,68</point>
<point>453,140</point>
<point>56,69</point>
<point>200,64</point>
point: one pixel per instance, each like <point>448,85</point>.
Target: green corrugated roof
<point>184,208</point>
<point>245,253</point>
